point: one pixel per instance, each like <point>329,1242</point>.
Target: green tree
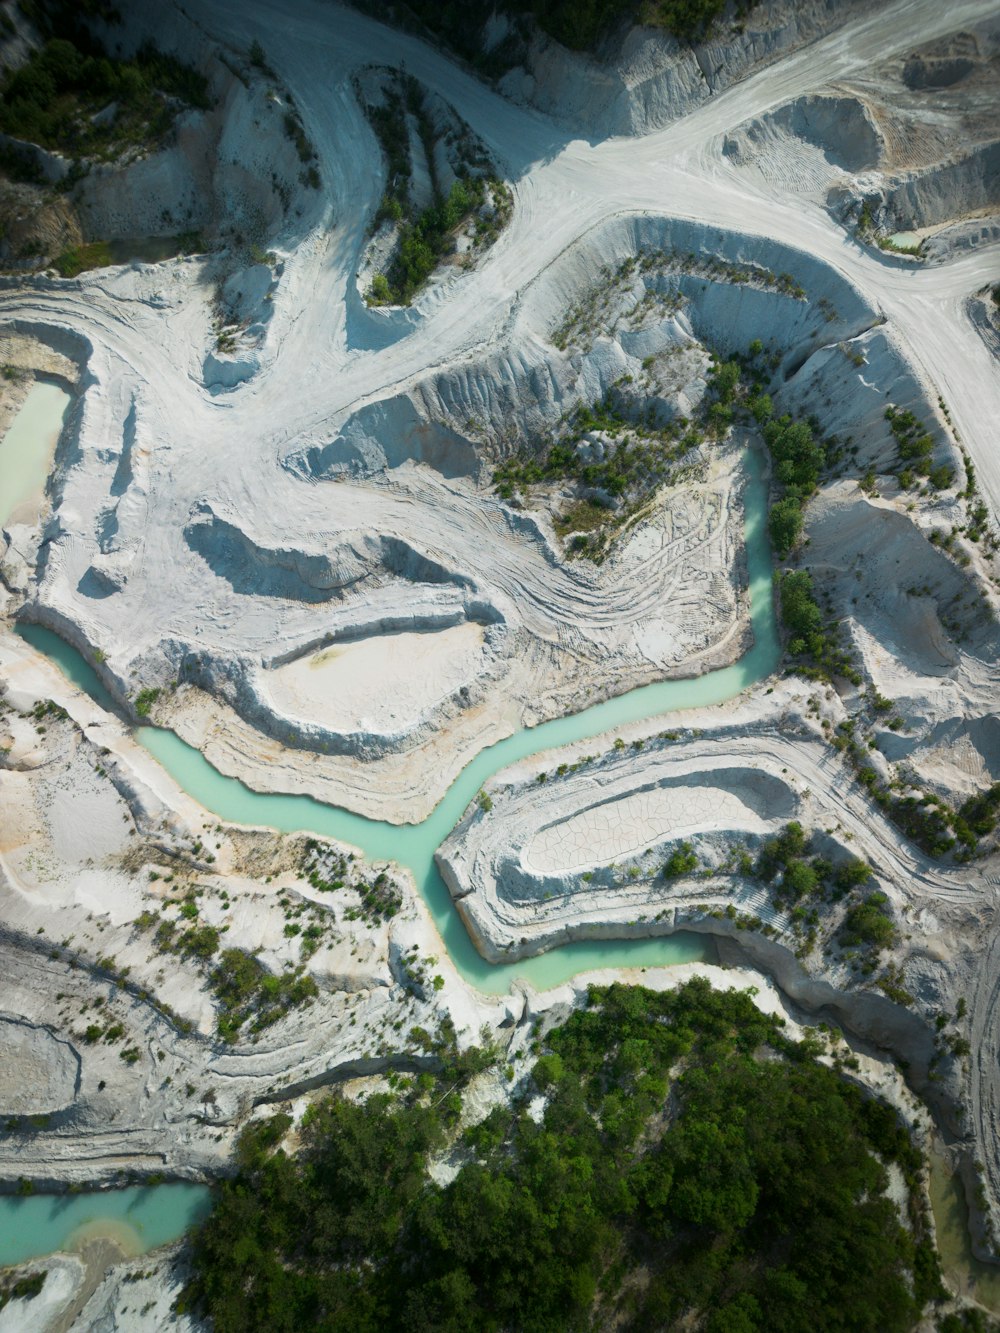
<point>784,524</point>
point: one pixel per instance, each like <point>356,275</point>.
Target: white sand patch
<point>382,683</point>
<point>87,823</point>
<point>619,828</point>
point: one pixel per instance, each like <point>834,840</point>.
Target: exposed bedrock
<point>649,79</point>
<point>963,191</point>
<point>275,699</point>
<point>297,575</point>
<point>899,587</point>
<point>922,72</point>
<point>41,1072</point>
<point>582,852</point>
<point>872,1017</point>
<point>385,435</point>
<point>659,833</point>
<point>398,530</point>
<point>842,128</point>
<point>583,855</point>
<point>631,309</point>
<point>229,170</point>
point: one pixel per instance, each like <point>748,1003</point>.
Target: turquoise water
<point>160,1214</point>
<point>142,1216</point>
<point>413,845</point>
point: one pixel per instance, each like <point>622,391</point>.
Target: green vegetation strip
<point>692,1167</point>
<point>428,236</point>
<point>102,254</point>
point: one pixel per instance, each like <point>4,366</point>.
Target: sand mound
<point>804,143</point>
<point>958,756</point>
<point>254,570</point>
<point>384,683</point>
<point>900,579</point>
<point>386,435</point>
<point>945,193</point>
<point>737,800</point>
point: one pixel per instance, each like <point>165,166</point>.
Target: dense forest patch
<point>579,24</point>
<point>692,1167</point>
<point>57,98</point>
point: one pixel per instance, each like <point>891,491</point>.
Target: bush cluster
<point>915,447</point>
<point>23,1288</point>
<point>683,860</point>
<point>425,238</point>
<point>328,871</point>
<point>814,643</point>
<point>638,460</point>
<point>247,993</point>
<point>788,863</point>
<point>927,819</point>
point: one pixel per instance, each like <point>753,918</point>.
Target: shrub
<point>868,923</point>
<point>851,874</point>
<point>683,860</point>
<point>79,258</point>
<point>784,524</point>
<point>799,880</point>
<point>379,293</point>
<point>23,1288</point>
<point>144,701</point>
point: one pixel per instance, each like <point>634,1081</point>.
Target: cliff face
<point>639,78</point>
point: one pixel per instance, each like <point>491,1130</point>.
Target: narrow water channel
<point>49,1223</point>
<point>142,1218</point>
<point>963,1272</point>
<point>413,845</point>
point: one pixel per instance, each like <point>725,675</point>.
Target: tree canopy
<point>693,1167</point>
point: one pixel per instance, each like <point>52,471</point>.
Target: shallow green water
<point>144,1216</point>
<point>963,1272</point>
<point>413,845</point>
<point>27,448</point>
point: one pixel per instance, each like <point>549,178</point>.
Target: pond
<point>140,1218</point>
<point>27,450</point>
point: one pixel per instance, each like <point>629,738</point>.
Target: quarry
<point>493,536</point>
